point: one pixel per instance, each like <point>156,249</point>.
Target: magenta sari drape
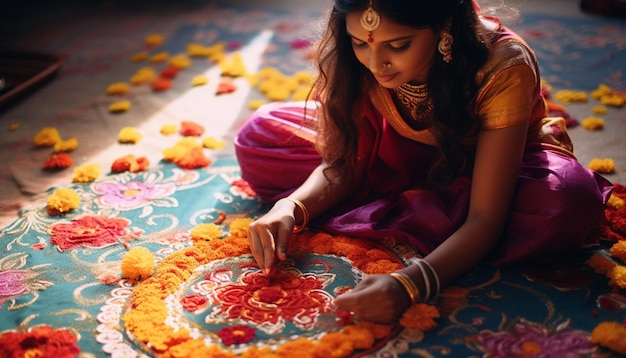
<point>557,203</point>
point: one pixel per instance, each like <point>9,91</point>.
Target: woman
<point>431,130</point>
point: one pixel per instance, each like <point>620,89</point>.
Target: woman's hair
<point>343,82</point>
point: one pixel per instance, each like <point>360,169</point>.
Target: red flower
<point>41,341</point>
<point>193,302</point>
<point>195,158</point>
<point>58,161</point>
<point>244,186</point>
<point>236,334</point>
<point>130,163</point>
<point>189,128</point>
<point>225,87</point>
<point>161,84</point>
<point>169,72</point>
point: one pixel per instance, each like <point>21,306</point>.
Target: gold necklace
<point>416,99</point>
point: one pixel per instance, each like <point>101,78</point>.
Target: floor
<point>28,18</point>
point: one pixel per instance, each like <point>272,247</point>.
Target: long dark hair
<point>343,82</point>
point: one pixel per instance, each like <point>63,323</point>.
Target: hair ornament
<point>370,20</point>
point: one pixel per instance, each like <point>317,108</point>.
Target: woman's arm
<point>380,298</point>
<point>269,235</point>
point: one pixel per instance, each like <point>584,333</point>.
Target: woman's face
<point>410,51</point>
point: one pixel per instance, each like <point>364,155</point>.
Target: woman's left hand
<point>378,298</point>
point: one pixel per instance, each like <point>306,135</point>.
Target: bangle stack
<point>430,278</point>
<point>305,215</point>
<point>409,286</point>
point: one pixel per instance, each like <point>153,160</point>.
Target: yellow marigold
<point>63,200</point>
<point>86,173</point>
<point>140,56</point>
<point>129,135</point>
<point>602,165</point>
<point>199,80</point>
<point>601,91</point>
<point>569,96</point>
<point>143,75</point>
<point>239,227</point>
<point>304,77</point>
<point>613,100</point>
<point>593,123</point>
<point>256,103</point>
<point>600,263</point>
<point>619,250</point>
<point>120,106</point>
<point>334,345</point>
<point>118,88</point>
<point>160,57</point>
<point>47,137</point>
<point>598,109</point>
<point>301,93</point>
<point>66,145</point>
<point>234,68</point>
<point>617,275</point>
<point>13,127</point>
<point>154,40</point>
<point>169,129</point>
<point>206,232</point>
<point>180,61</point>
<point>420,316</point>
<point>212,143</point>
<point>611,335</point>
<point>137,263</point>
<point>616,202</point>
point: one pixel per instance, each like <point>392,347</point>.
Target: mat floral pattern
<point>62,291</point>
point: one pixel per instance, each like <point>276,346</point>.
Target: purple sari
<point>557,203</point>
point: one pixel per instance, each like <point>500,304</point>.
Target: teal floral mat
<point>63,273</point>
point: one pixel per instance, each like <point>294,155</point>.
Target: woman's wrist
<point>423,276</point>
<point>303,216</point>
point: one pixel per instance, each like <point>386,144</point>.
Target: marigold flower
<point>199,80</point>
<point>63,200</point>
<point>118,88</point>
<point>300,347</point>
<point>137,263</point>
<point>618,250</point>
<point>378,330</point>
<point>593,123</point>
<point>180,61</point>
<point>120,106</point>
<point>239,227</point>
<point>569,96</point>
<point>302,93</point>
<point>47,137</point>
<point>140,56</point>
<point>256,103</point>
<point>598,109</point>
<point>601,91</point>
<point>334,344</point>
<point>600,264</point>
<point>611,335</point>
<point>66,145</point>
<point>143,75</point>
<point>617,276</point>
<point>58,161</point>
<point>360,337</point>
<point>130,163</point>
<point>129,135</point>
<point>169,72</point>
<point>612,100</point>
<point>616,202</point>
<point>213,143</point>
<point>420,316</point>
<point>161,84</point>
<point>234,68</point>
<point>602,165</point>
<point>154,40</point>
<point>160,57</point>
<point>169,129</point>
<point>191,129</point>
<point>206,232</point>
<point>225,87</point>
<point>86,173</point>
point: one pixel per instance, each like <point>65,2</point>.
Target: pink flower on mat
<point>526,339</point>
<point>134,194</point>
<point>16,280</point>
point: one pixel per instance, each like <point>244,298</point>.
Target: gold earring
<point>445,46</point>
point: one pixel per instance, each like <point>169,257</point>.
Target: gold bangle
<point>305,215</point>
<point>408,284</point>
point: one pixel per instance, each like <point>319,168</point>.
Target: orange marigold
<point>191,129</point>
<point>420,316</point>
<point>611,335</point>
<point>617,275</point>
<point>58,161</point>
<point>334,344</point>
<point>130,163</point>
<point>301,347</point>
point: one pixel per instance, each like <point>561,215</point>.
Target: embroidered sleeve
<point>509,85</point>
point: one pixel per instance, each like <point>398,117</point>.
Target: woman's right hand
<point>269,235</point>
